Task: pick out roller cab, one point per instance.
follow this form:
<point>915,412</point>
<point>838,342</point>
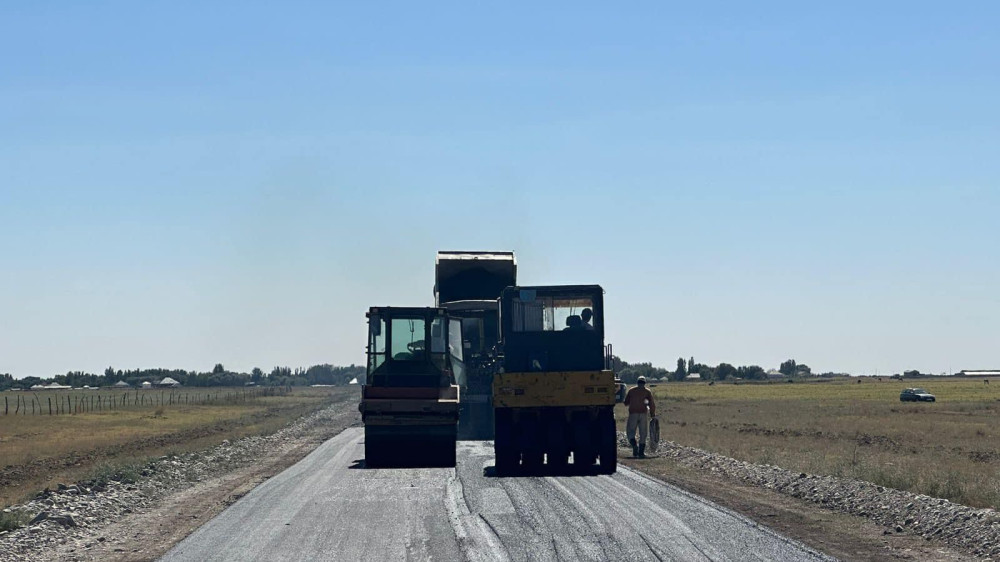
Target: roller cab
<point>554,400</point>
<point>410,402</point>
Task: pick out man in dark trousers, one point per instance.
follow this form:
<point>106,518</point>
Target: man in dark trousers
<point>639,402</point>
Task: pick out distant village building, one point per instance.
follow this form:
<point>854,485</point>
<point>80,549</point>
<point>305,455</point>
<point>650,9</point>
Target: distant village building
<point>775,374</point>
<point>121,384</point>
<point>168,382</point>
<point>979,373</point>
<point>51,386</point>
<point>146,384</point>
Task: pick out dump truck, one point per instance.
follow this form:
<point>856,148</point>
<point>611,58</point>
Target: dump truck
<point>410,399</point>
<point>555,397</point>
<point>468,285</point>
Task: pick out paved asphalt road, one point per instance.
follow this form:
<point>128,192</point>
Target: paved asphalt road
<point>329,507</point>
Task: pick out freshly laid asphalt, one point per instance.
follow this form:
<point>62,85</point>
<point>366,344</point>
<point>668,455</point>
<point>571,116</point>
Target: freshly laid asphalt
<point>330,507</point>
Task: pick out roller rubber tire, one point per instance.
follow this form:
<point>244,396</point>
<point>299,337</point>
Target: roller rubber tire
<point>583,446</point>
<point>608,442</point>
<point>556,447</point>
<point>506,455</point>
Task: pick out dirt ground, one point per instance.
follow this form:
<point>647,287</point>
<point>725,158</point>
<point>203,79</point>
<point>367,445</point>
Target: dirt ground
<point>149,534</point>
<point>851,428</point>
<point>42,451</point>
<point>845,537</point>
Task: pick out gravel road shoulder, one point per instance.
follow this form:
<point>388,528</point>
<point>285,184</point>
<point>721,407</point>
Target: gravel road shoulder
<point>176,494</point>
<point>844,518</point>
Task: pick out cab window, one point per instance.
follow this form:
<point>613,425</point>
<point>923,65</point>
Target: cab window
<point>550,314</point>
<point>408,338</point>
<point>376,342</point>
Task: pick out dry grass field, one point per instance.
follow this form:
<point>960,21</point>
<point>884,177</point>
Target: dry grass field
<point>948,449</point>
<point>41,450</point>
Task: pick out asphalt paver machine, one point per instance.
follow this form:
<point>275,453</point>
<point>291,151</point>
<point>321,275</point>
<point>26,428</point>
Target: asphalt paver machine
<point>468,285</point>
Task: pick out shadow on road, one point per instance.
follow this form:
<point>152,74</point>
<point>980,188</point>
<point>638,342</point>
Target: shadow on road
<point>362,464</point>
<point>520,472</point>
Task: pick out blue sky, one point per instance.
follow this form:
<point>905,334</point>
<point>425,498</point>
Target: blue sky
<point>183,184</point>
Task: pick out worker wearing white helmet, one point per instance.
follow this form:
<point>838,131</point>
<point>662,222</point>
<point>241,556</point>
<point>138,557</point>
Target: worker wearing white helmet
<point>639,402</point>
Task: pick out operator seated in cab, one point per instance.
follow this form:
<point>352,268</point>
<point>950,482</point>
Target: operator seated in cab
<point>581,321</point>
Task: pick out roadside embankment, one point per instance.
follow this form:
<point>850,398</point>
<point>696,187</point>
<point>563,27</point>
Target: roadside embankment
<point>137,512</point>
<point>976,531</point>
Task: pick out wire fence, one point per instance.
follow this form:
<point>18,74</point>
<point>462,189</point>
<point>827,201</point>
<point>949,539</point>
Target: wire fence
<point>69,402</point>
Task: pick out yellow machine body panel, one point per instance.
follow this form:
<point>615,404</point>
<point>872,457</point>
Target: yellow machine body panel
<point>556,388</point>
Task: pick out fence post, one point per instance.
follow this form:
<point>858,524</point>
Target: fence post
<point>50,405</point>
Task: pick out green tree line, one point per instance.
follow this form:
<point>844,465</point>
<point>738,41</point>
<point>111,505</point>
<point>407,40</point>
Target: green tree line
<point>630,372</point>
<point>218,376</point>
